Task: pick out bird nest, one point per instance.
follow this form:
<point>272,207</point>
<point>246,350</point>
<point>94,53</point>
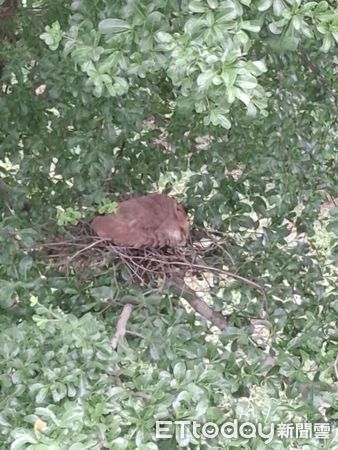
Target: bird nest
<point>79,251</point>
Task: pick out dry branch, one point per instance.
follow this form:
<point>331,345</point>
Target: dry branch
<point>121,325</point>
<point>215,317</point>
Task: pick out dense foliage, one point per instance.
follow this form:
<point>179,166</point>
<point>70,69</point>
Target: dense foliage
<point>232,106</point>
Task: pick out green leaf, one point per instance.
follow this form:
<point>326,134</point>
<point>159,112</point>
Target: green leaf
<point>252,25</point>
<point>213,4</point>
<point>48,414</point>
<point>113,26</point>
<point>24,438</point>
<point>218,118</point>
<point>204,79</point>
<point>327,42</point>
<point>7,290</point>
<point>102,293</point>
<point>334,304</point>
<point>227,14</point>
<point>260,65</point>
<point>247,83</point>
<point>41,395</point>
<point>229,76</point>
<point>163,38</point>
<point>263,5</point>
<point>179,371</point>
<point>196,6</point>
<point>76,447</point>
<point>278,7</point>
<point>243,96</point>
<point>25,264</point>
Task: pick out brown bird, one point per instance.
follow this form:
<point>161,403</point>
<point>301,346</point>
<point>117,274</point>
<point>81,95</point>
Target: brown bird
<point>153,220</point>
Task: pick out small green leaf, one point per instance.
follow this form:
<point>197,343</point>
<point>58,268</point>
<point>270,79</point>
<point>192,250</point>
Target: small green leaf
<point>179,371</point>
<point>33,300</point>
<point>247,83</point>
<point>224,122</point>
<point>263,5</point>
<point>113,26</point>
<point>163,38</point>
<point>197,6</point>
<point>229,76</point>
<point>25,264</point>
<point>260,65</point>
<point>213,4</point>
<point>327,42</point>
<point>7,293</point>
<point>205,78</point>
<point>217,117</point>
<point>253,26</point>
<point>243,96</point>
<point>278,7</point>
<point>102,293</point>
<point>24,438</point>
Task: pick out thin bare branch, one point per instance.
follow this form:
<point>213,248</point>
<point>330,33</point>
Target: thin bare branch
<point>121,325</point>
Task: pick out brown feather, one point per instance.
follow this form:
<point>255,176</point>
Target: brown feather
<point>153,220</point>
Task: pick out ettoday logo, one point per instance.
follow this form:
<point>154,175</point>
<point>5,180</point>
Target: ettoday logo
<point>247,430</point>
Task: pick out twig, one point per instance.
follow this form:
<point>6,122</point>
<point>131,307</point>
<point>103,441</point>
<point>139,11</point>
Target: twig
<point>134,333</point>
<point>206,268</point>
<point>121,325</point>
<point>93,244</point>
